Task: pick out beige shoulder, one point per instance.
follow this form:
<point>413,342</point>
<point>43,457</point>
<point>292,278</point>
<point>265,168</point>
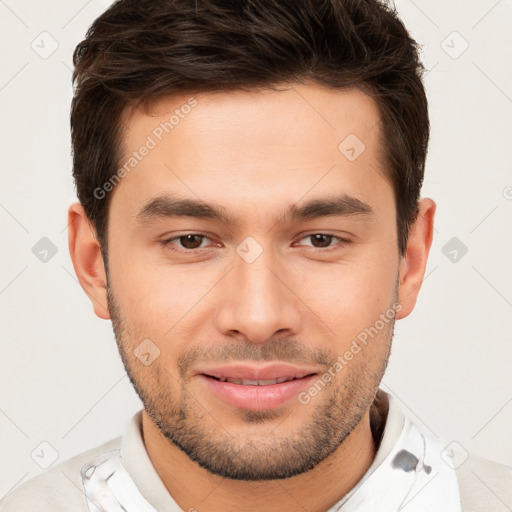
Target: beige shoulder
<point>58,489</point>
<point>485,486</point>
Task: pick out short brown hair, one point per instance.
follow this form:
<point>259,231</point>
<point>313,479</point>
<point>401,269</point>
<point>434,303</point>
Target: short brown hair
<point>139,50</point>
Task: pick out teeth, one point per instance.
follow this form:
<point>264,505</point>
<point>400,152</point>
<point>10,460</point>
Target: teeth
<point>246,382</point>
<point>266,382</point>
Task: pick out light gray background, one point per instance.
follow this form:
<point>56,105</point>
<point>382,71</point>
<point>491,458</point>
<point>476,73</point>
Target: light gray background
<point>62,381</point>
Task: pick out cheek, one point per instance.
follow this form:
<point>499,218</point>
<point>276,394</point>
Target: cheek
<point>158,301</point>
<point>349,297</point>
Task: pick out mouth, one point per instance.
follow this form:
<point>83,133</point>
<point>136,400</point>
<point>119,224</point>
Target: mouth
<point>263,382</point>
<point>257,375</point>
<point>255,389</point>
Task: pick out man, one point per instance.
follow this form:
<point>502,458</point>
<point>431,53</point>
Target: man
<point>249,179</point>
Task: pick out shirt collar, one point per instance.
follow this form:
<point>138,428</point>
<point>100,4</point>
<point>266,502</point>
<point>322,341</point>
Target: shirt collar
<point>407,473</point>
<point>138,464</point>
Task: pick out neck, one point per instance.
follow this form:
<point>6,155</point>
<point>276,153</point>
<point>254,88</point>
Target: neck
<point>193,487</point>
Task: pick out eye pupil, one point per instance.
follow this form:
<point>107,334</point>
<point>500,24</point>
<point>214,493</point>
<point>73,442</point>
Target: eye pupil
<point>324,240</point>
<point>188,241</point>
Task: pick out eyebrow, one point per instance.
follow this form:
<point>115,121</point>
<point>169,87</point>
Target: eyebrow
<point>166,206</point>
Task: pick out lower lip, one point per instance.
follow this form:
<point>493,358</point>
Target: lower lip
<point>256,398</point>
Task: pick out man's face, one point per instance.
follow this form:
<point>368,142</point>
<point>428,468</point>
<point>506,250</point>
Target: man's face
<point>257,287</point>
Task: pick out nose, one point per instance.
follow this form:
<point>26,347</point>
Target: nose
<point>257,302</point>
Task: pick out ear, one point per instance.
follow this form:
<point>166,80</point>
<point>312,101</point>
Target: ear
<point>413,264</point>
<point>84,249</point>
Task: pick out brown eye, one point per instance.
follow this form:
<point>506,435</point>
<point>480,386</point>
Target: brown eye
<point>186,244</point>
<point>191,241</point>
<point>321,240</point>
<point>324,242</point>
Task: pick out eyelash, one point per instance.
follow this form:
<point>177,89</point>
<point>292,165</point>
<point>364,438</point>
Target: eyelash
<point>167,244</point>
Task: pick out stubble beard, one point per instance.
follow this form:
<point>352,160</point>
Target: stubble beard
<point>239,455</point>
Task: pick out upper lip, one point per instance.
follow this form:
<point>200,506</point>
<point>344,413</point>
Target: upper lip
<point>268,372</point>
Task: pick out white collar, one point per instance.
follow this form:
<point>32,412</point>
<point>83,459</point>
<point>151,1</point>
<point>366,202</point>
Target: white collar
<point>407,474</point>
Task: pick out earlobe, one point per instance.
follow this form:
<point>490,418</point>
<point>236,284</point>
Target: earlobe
<point>413,264</point>
<point>85,252</point>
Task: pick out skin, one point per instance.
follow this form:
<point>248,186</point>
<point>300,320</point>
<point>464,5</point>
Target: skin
<point>255,153</point>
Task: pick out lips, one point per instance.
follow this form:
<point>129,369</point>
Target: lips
<point>257,376</point>
<point>247,382</point>
<point>256,388</point>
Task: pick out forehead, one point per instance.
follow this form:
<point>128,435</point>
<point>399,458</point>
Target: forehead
<point>259,147</point>
<point>268,117</point>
